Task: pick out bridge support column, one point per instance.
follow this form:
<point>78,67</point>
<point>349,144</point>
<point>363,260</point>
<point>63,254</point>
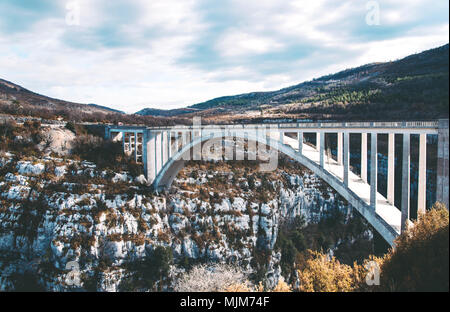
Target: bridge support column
<point>373,170</point>
<point>197,133</point>
<point>300,142</point>
<point>364,157</point>
<point>123,141</point>
<point>346,157</point>
<point>339,147</point>
<point>422,187</point>
<point>442,163</point>
<point>391,168</point>
<point>322,149</point>
<point>169,141</point>
<point>318,141</point>
<point>165,147</point>
<point>149,155</point>
<point>405,181</point>
<point>158,152</point>
<point>185,141</point>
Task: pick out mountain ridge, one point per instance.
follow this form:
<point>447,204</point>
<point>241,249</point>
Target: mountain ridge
<point>414,87</point>
<point>363,89</point>
<point>16,97</point>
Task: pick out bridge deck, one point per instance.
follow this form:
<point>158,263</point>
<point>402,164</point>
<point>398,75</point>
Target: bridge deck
<point>384,209</point>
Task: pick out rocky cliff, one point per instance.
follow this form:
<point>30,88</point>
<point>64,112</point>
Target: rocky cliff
<point>60,215</point>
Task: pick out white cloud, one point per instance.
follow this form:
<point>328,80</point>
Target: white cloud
<point>236,43</point>
<point>132,63</point>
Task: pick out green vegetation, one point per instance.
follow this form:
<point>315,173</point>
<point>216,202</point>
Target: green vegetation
<point>150,272</point>
<point>415,87</point>
<point>295,238</point>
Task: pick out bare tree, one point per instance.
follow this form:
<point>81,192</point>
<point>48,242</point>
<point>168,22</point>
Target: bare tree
<point>211,278</point>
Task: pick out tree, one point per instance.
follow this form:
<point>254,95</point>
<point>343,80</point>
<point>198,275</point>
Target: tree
<point>156,266</point>
<point>216,277</point>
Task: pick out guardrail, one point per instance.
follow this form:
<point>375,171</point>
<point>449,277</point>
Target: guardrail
<point>363,124</point>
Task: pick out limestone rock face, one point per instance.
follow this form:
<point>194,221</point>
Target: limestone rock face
<point>104,232</point>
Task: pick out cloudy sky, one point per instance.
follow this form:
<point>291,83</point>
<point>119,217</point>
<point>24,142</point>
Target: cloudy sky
<point>131,54</point>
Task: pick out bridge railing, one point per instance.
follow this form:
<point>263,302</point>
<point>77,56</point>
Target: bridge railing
<point>325,124</point>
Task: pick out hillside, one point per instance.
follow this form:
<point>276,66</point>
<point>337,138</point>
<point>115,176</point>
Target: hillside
<point>15,98</point>
<point>415,87</point>
<point>20,102</point>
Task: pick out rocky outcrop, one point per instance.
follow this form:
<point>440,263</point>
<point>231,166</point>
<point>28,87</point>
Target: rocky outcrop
<point>85,236</point>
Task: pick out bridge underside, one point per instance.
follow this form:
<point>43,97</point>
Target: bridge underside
<point>386,218</point>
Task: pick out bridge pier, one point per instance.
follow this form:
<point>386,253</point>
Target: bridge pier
<point>159,151</point>
<point>196,133</point>
<point>391,168</point>
<point>422,187</point>
<point>405,182</point>
<point>339,147</point>
<point>373,170</point>
<point>442,163</point>
<point>185,138</point>
<point>164,147</point>
<point>300,142</point>
<point>346,157</point>
<point>149,155</point>
<point>322,149</point>
<point>364,157</point>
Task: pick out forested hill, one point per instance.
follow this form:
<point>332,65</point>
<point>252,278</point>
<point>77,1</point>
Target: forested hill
<point>415,87</point>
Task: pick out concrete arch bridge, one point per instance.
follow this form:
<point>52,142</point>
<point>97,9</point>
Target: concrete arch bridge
<point>164,150</point>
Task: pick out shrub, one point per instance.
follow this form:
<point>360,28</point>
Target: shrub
<point>70,126</point>
<point>282,286</point>
<point>105,154</point>
<point>420,261</point>
<point>318,273</point>
<point>157,265</point>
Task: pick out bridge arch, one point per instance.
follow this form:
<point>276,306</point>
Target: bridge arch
<point>172,167</point>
